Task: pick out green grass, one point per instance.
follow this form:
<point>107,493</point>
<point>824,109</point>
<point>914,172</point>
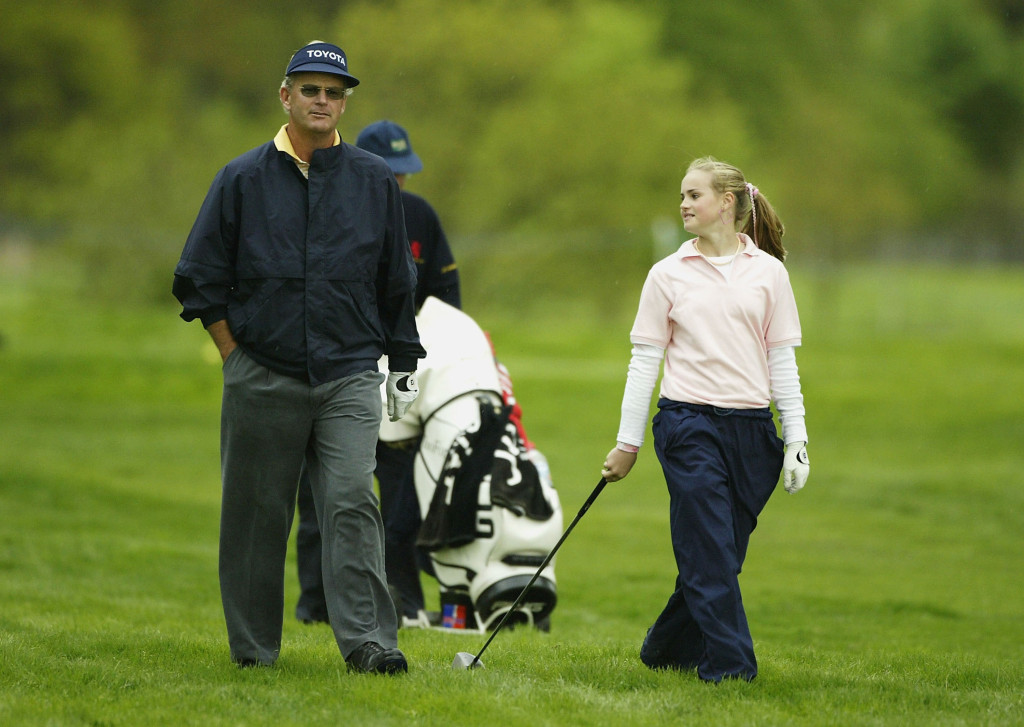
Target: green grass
<point>889,592</point>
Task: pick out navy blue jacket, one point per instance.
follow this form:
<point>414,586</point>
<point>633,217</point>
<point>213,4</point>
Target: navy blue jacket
<point>435,264</point>
<point>314,277</point>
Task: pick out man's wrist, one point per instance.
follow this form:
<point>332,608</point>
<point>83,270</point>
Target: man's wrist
<point>631,448</point>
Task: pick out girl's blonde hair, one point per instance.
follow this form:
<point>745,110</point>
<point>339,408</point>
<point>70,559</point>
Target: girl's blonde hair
<point>754,214</point>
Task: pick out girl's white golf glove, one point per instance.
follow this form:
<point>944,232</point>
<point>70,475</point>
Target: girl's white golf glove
<point>795,467</point>
<point>402,391</point>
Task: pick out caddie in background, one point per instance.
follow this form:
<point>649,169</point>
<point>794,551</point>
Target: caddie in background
<point>299,267</point>
<point>438,277</point>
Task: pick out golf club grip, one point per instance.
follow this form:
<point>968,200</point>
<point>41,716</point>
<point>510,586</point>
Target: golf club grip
<point>550,555</point>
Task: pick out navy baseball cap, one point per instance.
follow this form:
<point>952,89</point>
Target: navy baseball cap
<point>321,57</point>
<point>388,140</point>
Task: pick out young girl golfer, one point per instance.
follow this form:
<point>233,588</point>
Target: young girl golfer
<point>721,314</point>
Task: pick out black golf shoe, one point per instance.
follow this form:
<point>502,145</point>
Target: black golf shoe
<point>372,658</point>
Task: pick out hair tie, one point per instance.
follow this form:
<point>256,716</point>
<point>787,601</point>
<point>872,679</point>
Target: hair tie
<point>752,191</point>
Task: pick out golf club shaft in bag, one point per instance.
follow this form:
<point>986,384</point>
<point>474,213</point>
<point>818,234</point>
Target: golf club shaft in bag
<point>512,608</point>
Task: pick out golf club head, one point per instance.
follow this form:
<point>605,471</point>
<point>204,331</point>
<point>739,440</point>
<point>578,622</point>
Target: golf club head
<point>465,660</point>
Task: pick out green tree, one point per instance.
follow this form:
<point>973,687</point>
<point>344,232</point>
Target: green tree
<point>565,118</point>
<point>855,149</point>
<point>560,117</point>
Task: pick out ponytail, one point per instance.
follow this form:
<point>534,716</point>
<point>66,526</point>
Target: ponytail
<point>763,225</point>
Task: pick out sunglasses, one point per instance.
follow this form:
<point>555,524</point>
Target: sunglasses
<point>334,93</point>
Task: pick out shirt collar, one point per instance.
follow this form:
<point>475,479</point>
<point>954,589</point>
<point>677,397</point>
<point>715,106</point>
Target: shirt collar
<point>284,143</point>
<point>689,248</point>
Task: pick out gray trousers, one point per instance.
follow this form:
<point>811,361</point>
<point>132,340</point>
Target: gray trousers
<point>269,424</point>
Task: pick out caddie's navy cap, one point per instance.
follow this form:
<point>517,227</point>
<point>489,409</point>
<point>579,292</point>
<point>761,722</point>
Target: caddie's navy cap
<point>388,140</point>
<point>321,58</point>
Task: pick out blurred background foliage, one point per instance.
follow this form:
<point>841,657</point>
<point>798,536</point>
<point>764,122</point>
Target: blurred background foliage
<point>553,130</point>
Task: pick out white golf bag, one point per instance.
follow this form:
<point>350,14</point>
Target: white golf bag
<point>490,512</point>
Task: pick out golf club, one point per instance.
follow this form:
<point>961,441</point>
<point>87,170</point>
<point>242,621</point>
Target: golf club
<point>465,660</point>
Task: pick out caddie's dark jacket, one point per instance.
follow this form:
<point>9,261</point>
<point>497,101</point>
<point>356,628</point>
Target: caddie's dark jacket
<point>438,274</point>
<point>314,277</point>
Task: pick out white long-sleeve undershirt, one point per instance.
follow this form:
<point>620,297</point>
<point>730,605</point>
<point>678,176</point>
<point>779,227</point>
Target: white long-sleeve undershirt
<point>644,367</point>
<point>789,400</point>
<point>642,377</point>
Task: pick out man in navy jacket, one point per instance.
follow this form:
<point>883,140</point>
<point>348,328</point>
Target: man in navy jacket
<point>299,267</point>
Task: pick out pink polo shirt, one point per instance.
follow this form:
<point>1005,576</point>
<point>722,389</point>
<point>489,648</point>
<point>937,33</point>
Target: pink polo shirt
<point>716,332</point>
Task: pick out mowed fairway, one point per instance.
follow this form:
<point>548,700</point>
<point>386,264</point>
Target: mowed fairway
<point>889,592</point>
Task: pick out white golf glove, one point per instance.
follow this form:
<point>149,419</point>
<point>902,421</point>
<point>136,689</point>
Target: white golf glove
<point>402,391</point>
<point>795,467</point>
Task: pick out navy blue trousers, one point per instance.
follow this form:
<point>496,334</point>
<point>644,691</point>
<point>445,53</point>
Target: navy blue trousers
<point>721,466</point>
